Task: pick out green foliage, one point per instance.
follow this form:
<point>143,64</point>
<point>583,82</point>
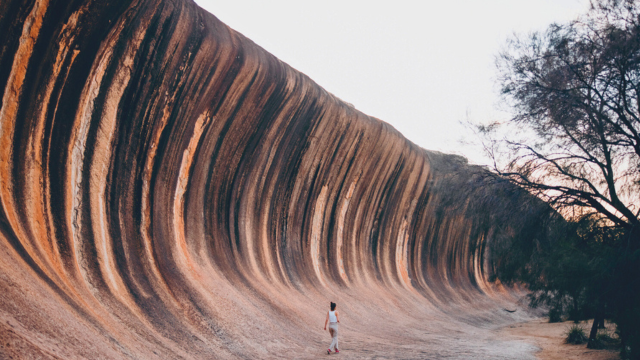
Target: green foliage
<point>566,265</point>
<point>606,340</point>
<point>555,315</point>
<point>575,335</point>
<point>627,319</point>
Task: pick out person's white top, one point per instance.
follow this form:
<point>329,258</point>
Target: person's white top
<point>332,316</point>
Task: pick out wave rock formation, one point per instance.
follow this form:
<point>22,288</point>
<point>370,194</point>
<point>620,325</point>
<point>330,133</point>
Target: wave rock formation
<point>170,190</point>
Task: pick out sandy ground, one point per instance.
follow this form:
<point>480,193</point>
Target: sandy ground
<point>549,337</point>
<point>527,340</point>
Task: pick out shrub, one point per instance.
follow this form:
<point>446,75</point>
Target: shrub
<point>555,315</point>
<point>605,340</point>
<point>575,335</point>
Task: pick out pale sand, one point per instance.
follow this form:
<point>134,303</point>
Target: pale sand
<point>549,337</point>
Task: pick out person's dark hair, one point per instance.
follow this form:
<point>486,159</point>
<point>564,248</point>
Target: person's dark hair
<point>333,306</point>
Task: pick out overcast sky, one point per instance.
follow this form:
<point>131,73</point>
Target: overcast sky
<point>422,66</point>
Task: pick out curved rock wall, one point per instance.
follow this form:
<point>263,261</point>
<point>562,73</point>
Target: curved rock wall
<point>171,190</point>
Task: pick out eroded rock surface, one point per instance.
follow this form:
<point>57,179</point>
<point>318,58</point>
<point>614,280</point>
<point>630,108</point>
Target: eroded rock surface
<point>171,190</point>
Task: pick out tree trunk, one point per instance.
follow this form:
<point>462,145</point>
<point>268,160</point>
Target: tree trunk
<point>592,335</point>
<point>600,317</point>
<point>574,314</point>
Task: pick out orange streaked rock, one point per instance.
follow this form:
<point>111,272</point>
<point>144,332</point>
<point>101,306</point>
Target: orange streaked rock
<point>169,189</point>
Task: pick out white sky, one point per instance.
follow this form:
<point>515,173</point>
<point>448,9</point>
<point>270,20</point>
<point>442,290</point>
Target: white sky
<point>422,66</point>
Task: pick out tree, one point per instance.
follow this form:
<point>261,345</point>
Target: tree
<point>574,139</point>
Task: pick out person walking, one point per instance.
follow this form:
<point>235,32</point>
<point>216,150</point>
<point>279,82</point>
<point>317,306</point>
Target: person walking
<point>333,319</point>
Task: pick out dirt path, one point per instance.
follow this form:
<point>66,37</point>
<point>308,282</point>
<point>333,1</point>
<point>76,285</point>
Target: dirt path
<point>549,337</point>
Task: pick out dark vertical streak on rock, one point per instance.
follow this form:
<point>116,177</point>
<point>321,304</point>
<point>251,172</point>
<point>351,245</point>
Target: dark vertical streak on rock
<point>12,16</point>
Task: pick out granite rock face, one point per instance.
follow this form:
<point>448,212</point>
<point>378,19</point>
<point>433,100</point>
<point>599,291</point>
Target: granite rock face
<point>169,189</point>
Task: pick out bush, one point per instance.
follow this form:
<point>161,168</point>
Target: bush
<point>575,335</point>
<point>555,315</point>
<point>629,331</point>
<point>605,340</point>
